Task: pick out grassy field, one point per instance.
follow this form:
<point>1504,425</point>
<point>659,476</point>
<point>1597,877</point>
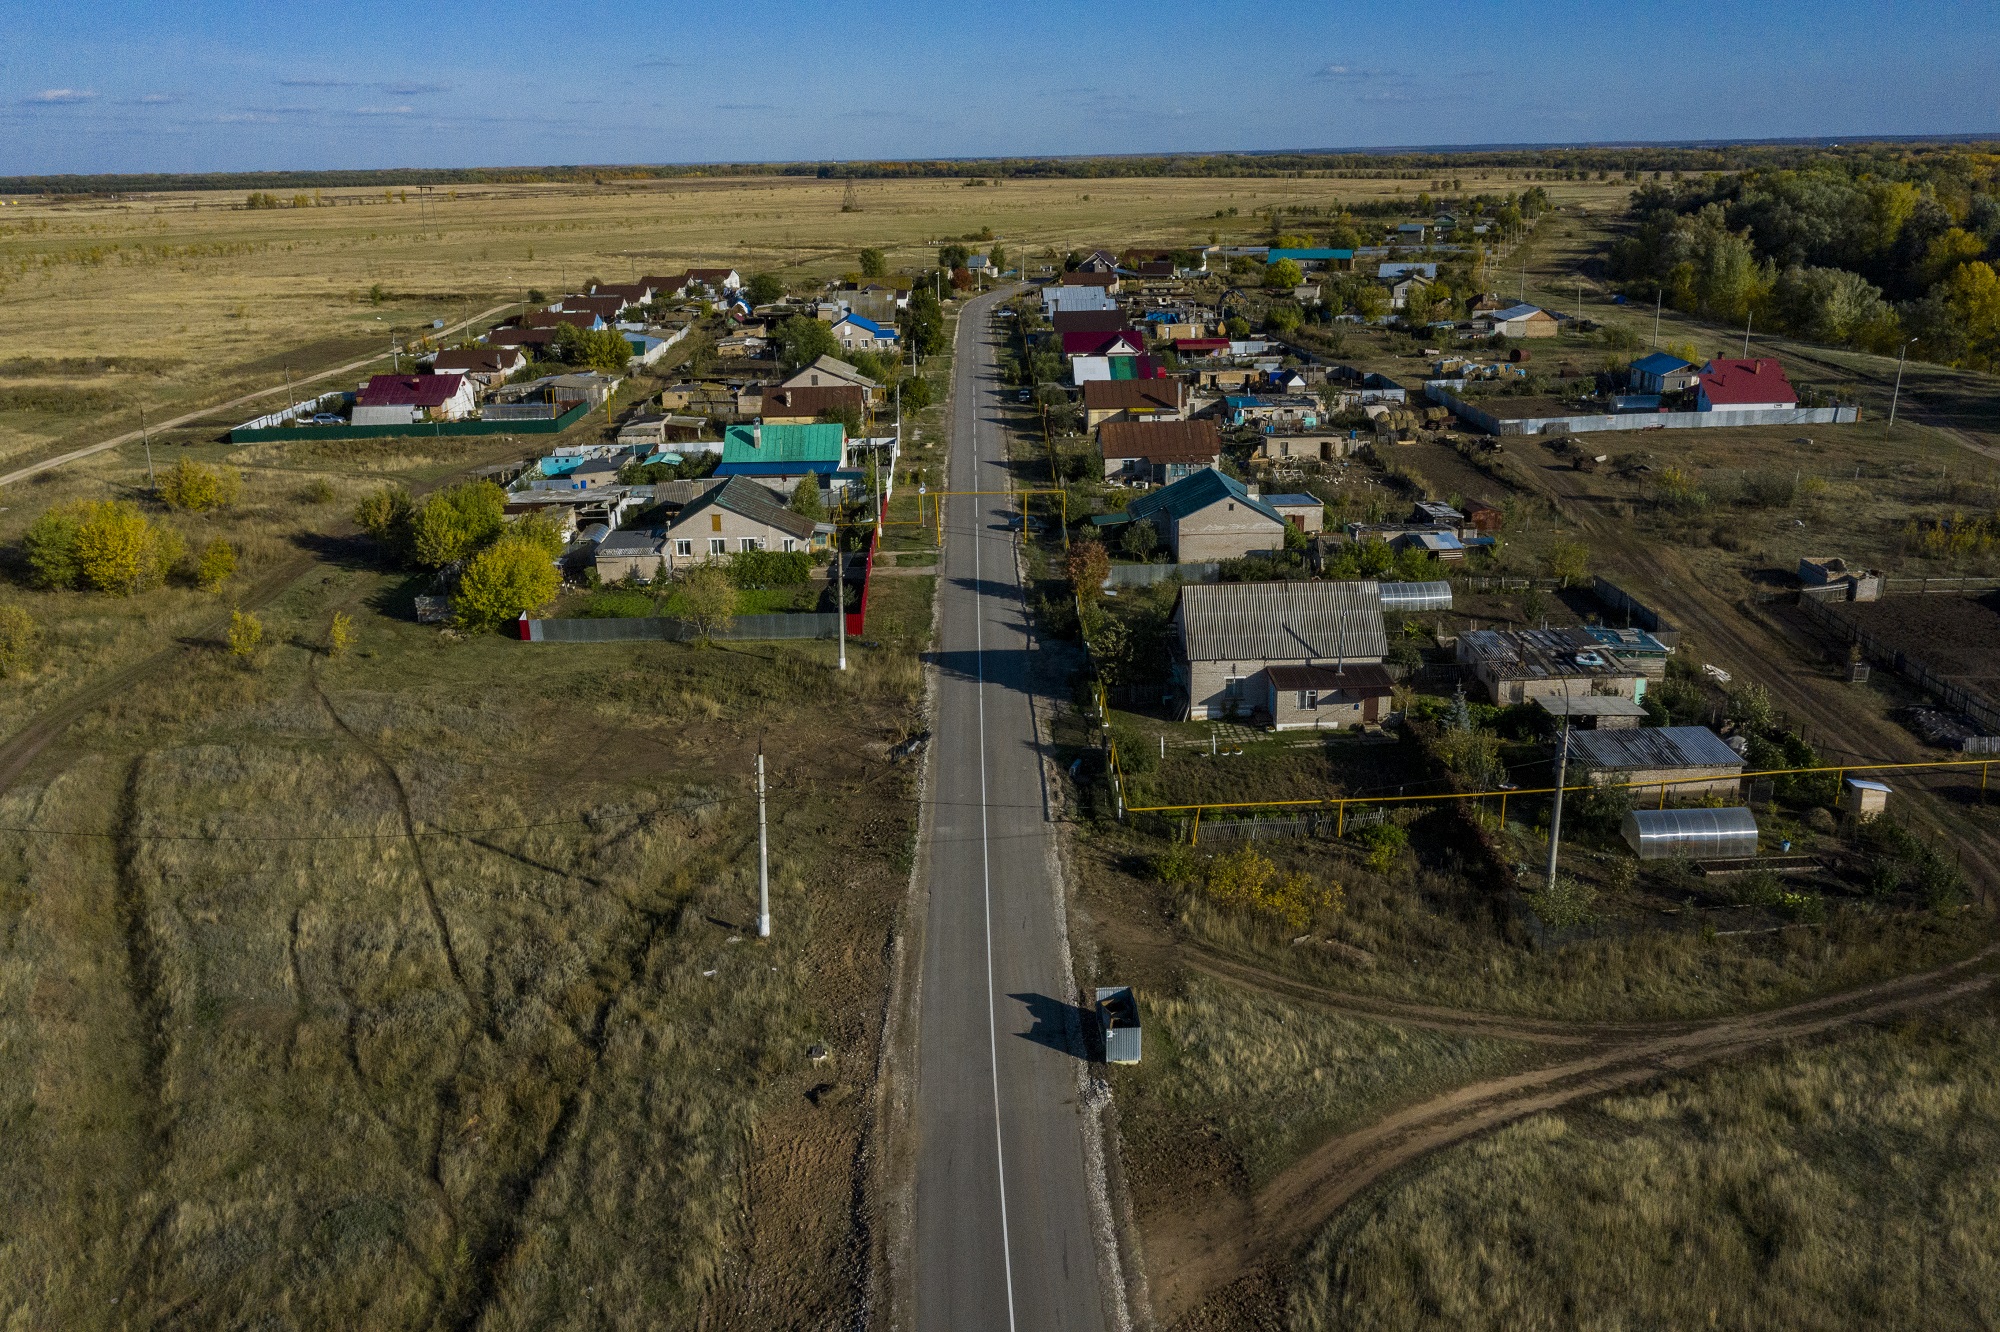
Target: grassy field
<point>1844,1185</point>
<point>166,301</point>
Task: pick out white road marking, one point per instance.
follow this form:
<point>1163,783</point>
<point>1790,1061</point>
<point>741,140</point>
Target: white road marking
<point>986,858</point>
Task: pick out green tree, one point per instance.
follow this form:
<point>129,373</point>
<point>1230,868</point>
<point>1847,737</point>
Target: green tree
<point>915,393</point>
<point>806,501</point>
<point>1569,560</point>
<point>997,256</point>
<point>1236,326</point>
<point>542,531</point>
<point>802,340</point>
<point>190,485</point>
<point>874,264</point>
<point>50,544</point>
<point>453,523</point>
<point>386,515</point>
<point>216,566</point>
<point>953,256</point>
<point>923,322</point>
<point>1283,275</point>
<point>846,415</point>
<point>1142,539</point>
<point>106,545</point>
<point>19,637</point>
<point>706,599</point>
<point>509,578</point>
<point>606,351</point>
<point>764,288</point>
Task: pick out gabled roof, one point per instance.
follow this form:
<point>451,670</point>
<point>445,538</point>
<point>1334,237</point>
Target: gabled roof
<point>1162,442</point>
<point>787,444</point>
<point>1759,379</point>
<point>1514,312</point>
<point>747,499</point>
<point>1288,622</point>
<point>812,401</point>
<point>1191,494</point>
<point>1652,747</point>
<point>1307,255</point>
<point>838,369</point>
<point>482,360</point>
<point>861,321</point>
<point>1088,321</point>
<point>409,390</point>
<point>1166,394</point>
<point>1124,342</point>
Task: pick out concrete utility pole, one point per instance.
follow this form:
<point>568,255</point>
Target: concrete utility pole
<point>1746,335</point>
<point>1656,319</point>
<point>152,481</point>
<point>1562,774</point>
<point>763,855</point>
<point>1897,395</point>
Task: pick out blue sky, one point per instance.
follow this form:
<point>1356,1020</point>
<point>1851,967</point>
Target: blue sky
<point>207,85</point>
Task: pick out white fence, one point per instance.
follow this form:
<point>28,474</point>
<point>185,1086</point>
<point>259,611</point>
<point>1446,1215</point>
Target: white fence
<point>1583,425</point>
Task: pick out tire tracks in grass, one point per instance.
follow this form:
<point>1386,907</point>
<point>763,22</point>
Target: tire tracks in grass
<point>1226,1239</point>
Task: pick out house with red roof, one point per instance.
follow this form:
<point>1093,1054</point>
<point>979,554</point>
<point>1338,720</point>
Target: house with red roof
<point>406,399</point>
<point>1124,342</point>
<point>1757,384</point>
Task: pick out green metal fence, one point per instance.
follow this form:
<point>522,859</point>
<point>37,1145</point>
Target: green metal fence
<point>436,429</point>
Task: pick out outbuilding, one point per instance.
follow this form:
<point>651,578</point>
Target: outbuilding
<point>1327,697</point>
<point>1675,761</point>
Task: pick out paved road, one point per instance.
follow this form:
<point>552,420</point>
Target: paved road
<point>1003,1221</point>
<point>339,371</point>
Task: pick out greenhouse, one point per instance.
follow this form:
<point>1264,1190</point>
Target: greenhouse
<point>1691,834</point>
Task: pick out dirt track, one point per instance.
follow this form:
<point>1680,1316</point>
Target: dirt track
<point>1196,1254</point>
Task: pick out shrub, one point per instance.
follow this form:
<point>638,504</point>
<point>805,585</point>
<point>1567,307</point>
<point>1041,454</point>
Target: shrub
<point>1568,902</point>
<point>192,486</point>
<point>769,568</point>
<point>105,545</point>
<point>216,566</point>
<point>1246,880</point>
<point>512,576</point>
<point>453,523</point>
<point>340,635</point>
<point>1383,842</point>
<point>705,598</point>
<point>246,635</point>
<point>319,490</point>
<point>385,515</point>
<point>19,636</point>
<point>1177,865</point>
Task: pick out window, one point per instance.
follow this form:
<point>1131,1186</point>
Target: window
<point>717,546</point>
<point>1232,686</point>
<point>748,544</point>
<point>790,545</point>
<point>715,522</point>
<point>1308,698</point>
<point>684,548</point>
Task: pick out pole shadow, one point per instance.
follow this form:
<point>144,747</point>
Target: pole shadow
<point>1064,1027</point>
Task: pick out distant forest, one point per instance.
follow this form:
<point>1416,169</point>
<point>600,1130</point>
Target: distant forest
<point>1547,163</point>
<point>1874,248</point>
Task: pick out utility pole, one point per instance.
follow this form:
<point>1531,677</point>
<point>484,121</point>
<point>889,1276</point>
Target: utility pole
<point>840,591</point>
<point>152,481</point>
<point>291,395</point>
<point>1562,775</point>
<point>1897,395</point>
<point>1656,319</point>
<point>1747,320</point>
<point>763,855</point>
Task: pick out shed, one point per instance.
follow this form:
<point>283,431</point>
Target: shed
<point>1693,834</point>
<point>1304,512</point>
<point>1602,712</point>
<point>1672,760</point>
<point>1118,1017</point>
<point>1322,697</point>
<point>1864,799</point>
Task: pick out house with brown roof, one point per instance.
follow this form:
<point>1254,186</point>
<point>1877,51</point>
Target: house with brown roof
<point>1158,452</point>
<point>1326,697</point>
<point>802,406</point>
<point>1163,399</point>
<point>604,307</point>
<point>587,320</point>
<point>1107,282</point>
<point>405,399</point>
<point>1090,321</point>
<point>484,366</point>
<point>828,371</point>
<point>629,293</point>
<point>716,281</point>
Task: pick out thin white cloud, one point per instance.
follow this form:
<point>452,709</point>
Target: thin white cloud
<point>385,110</point>
<point>317,83</point>
<point>1352,72</point>
<point>158,99</point>
<point>59,96</point>
<point>414,89</point>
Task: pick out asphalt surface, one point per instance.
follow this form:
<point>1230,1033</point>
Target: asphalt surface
<point>1003,1236</point>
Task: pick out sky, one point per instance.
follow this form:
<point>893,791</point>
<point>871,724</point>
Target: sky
<point>251,85</point>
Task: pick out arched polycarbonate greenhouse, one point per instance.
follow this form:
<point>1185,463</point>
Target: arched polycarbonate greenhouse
<point>1691,834</point>
<point>1401,597</point>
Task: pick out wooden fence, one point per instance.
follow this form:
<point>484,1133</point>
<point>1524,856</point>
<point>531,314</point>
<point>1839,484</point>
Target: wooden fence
<point>1919,673</point>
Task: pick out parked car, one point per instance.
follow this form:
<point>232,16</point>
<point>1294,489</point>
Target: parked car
<point>328,418</point>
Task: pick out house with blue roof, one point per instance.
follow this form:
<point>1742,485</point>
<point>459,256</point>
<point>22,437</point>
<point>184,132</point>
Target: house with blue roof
<point>860,333</point>
<point>782,452</point>
<point>1208,515</point>
<point>1662,372</point>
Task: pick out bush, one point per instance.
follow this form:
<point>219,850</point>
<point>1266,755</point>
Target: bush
<point>216,566</point>
<point>340,635</point>
<point>1177,865</point>
<point>705,598</point>
<point>1246,880</point>
<point>769,568</point>
<point>189,485</point>
<point>1569,902</point>
<point>246,635</point>
<point>19,636</point>
<point>105,545</point>
<point>509,578</point>
<point>386,516</point>
<point>1383,843</point>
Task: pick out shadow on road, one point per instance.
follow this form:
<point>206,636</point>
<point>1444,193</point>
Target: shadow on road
<point>1068,1028</point>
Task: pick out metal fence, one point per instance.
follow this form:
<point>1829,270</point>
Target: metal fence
<point>1146,575</point>
<point>1919,673</point>
<point>743,629</point>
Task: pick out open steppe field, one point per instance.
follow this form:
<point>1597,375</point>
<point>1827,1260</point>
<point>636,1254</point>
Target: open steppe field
<point>168,300</point>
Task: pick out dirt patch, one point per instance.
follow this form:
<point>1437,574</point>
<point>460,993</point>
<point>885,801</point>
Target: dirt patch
<point>1958,637</point>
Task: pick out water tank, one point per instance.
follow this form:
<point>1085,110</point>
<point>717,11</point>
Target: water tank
<point>1695,834</point>
<point>1414,596</point>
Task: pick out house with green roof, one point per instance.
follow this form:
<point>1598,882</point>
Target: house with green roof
<point>787,452</point>
<point>1206,516</point>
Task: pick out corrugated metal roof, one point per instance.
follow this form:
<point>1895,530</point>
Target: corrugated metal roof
<point>740,495</point>
<point>1652,747</point>
<point>1282,622</point>
<point>1193,493</point>
<point>783,444</point>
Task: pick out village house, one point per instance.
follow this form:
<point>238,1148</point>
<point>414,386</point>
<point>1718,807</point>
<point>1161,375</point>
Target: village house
<point>1599,712</point>
<point>1312,447</point>
<point>1158,452</point>
<point>1326,697</point>
<point>1401,290</point>
<point>1661,372</point>
<point>406,399</point>
<point>1206,515</point>
<point>1758,384</point>
<point>1113,320</point>
<point>1517,321</point>
<point>859,333</point>
<point>1105,282</point>
<point>604,307</point>
<point>1518,666</point>
<point>1273,411</point>
<point>1161,399</point>
<point>484,366</point>
<point>1057,298</point>
<point>588,321</point>
<point>802,406</point>
<point>781,454</point>
<point>519,335</point>
<point>739,515</point>
<point>829,371</point>
<point>1674,762</point>
<point>1228,636</point>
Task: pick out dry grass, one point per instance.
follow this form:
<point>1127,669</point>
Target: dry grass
<point>1848,1185</point>
<point>364,993</point>
<point>1266,1079</point>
